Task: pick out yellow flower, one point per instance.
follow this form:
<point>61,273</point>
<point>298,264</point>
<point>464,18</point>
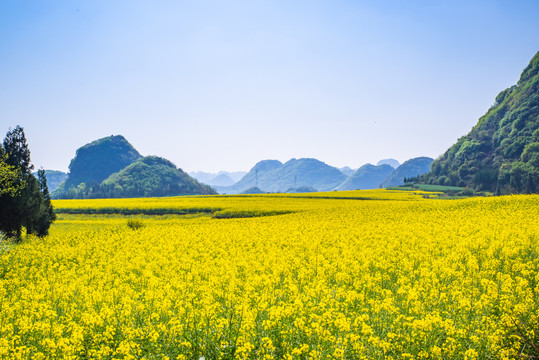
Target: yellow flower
<point>319,276</point>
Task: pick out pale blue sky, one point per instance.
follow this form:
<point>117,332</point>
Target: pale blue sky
<point>220,85</point>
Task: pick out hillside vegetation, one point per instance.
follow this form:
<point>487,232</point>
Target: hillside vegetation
<point>501,153</point>
<point>96,161</point>
<point>152,176</point>
<point>133,175</point>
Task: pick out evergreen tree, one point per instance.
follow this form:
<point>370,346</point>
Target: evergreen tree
<point>9,176</point>
<point>29,205</point>
<point>46,214</point>
<point>16,148</point>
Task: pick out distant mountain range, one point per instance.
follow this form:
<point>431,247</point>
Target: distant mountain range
<point>391,162</point>
<point>222,178</point>
<point>307,175</point>
<point>250,180</point>
<point>366,177</point>
<point>111,167</point>
<point>347,170</point>
<point>274,176</point>
<point>409,169</point>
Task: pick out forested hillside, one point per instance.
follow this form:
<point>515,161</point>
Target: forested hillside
<point>501,153</point>
<point>111,167</point>
<point>94,162</point>
<point>151,176</point>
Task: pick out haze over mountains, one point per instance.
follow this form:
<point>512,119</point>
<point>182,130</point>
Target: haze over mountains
<point>222,178</point>
<point>391,162</point>
<point>111,167</point>
<point>500,154</point>
<point>366,177</point>
<point>347,170</point>
<point>306,175</point>
<point>54,178</point>
<point>274,176</point>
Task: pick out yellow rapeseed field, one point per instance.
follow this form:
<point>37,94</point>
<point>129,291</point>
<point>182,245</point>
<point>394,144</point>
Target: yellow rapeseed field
<point>340,275</point>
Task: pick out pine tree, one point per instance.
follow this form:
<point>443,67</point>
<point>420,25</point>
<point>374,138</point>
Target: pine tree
<point>46,214</point>
<point>9,176</point>
<point>16,148</point>
<point>30,205</point>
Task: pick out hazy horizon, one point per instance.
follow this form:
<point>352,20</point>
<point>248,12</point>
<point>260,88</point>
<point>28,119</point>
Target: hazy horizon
<point>218,87</point>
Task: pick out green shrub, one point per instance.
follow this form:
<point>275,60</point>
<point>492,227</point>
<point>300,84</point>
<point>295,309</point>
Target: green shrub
<point>135,224</point>
<point>467,192</point>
